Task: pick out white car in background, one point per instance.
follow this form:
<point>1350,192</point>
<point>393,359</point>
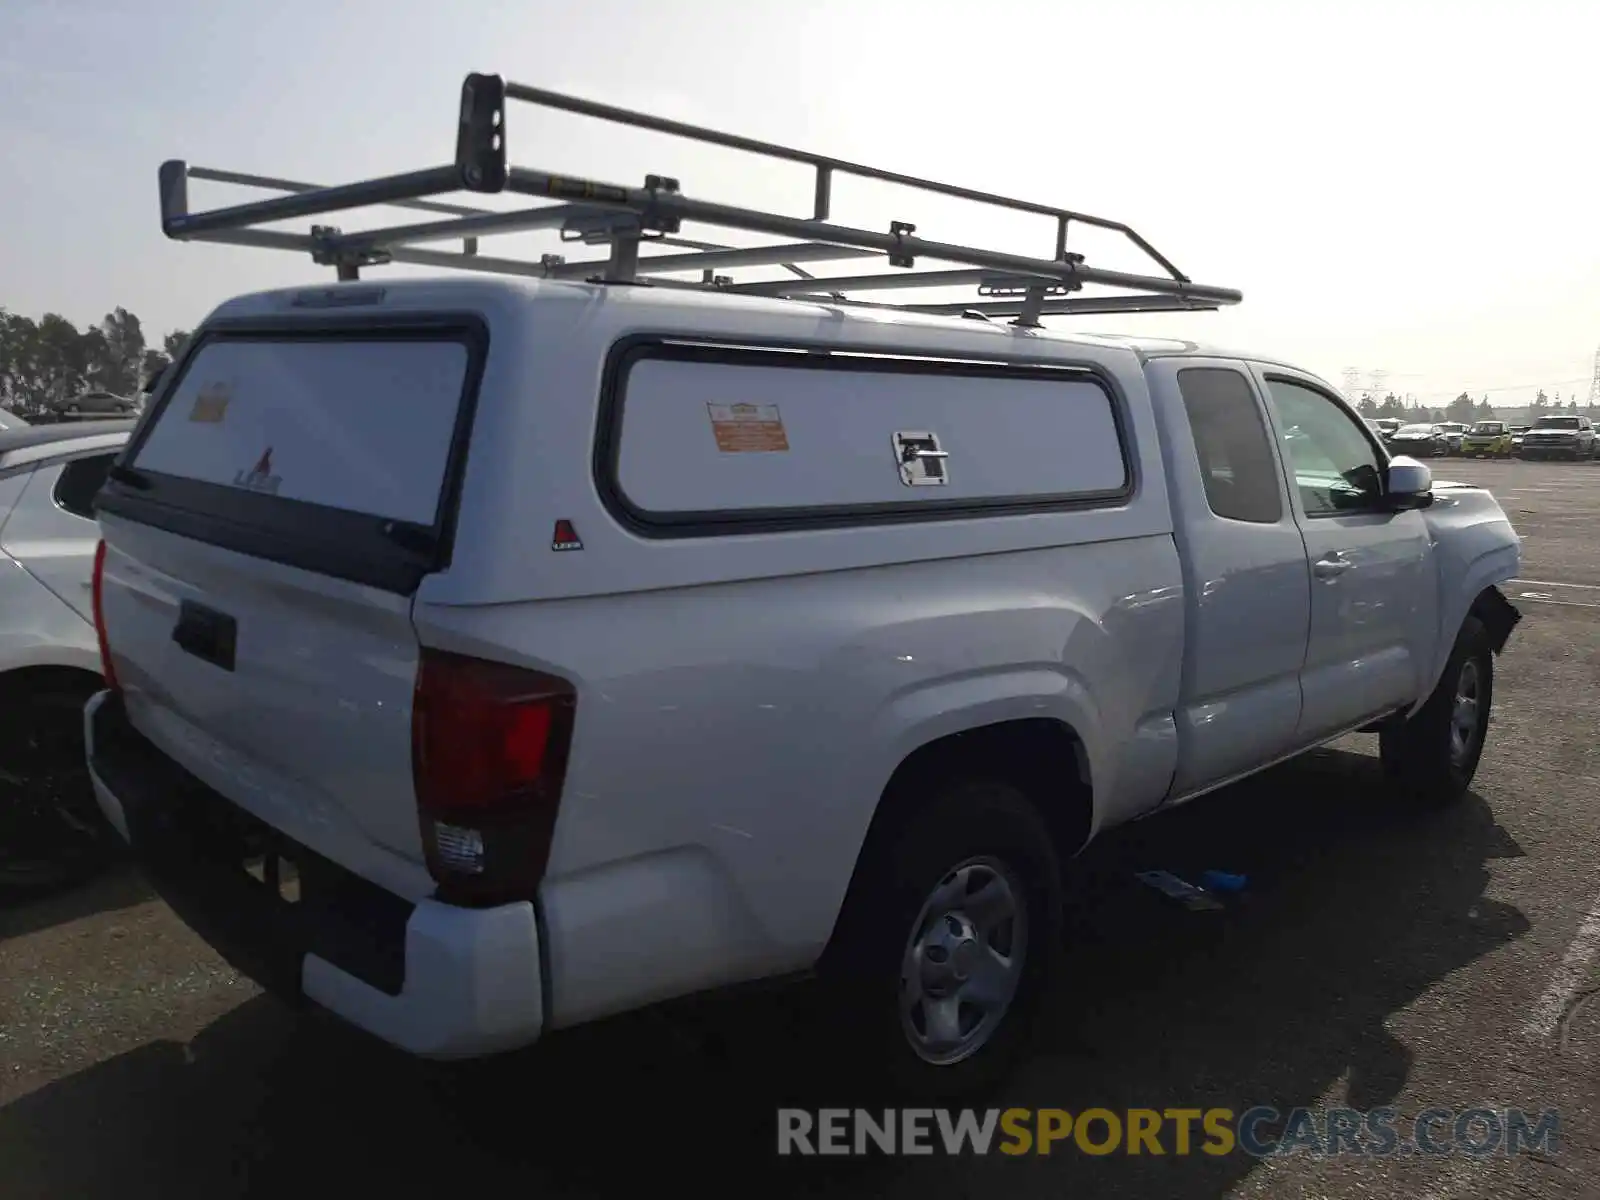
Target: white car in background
<point>50,828</point>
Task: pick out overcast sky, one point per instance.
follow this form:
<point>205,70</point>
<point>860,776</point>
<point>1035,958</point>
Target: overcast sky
<point>1396,186</point>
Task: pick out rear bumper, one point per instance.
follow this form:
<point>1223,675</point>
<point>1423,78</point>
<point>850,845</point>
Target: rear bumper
<point>436,980</point>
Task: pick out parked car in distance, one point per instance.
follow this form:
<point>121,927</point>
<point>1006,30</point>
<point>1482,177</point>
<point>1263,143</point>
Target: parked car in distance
<point>1454,431</point>
<point>1487,439</point>
<point>1516,438</point>
<point>50,826</point>
<point>94,403</point>
<point>1387,426</point>
<point>705,708</point>
<point>1424,441</point>
<point>1570,437</point>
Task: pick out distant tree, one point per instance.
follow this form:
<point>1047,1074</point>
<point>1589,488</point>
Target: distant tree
<point>1367,407</point>
<point>1461,409</point>
<point>63,356</point>
<point>51,359</point>
<point>172,345</point>
<point>121,353</point>
<point>1391,407</point>
<point>153,363</point>
<point>1572,405</point>
<point>1540,402</point>
<point>1481,411</point>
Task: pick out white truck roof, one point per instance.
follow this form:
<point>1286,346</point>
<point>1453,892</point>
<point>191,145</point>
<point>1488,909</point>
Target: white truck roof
<point>646,304</point>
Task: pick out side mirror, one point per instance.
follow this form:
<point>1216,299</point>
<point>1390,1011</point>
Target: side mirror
<point>1408,484</point>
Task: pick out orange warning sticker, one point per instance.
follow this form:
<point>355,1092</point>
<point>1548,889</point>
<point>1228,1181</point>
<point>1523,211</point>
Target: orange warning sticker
<point>211,404</point>
<point>748,428</point>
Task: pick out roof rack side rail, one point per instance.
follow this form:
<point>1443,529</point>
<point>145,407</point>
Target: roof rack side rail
<point>624,218</point>
<point>826,166</point>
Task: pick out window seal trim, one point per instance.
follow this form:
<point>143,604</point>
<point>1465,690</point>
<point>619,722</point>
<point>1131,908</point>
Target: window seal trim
<point>1277,375</point>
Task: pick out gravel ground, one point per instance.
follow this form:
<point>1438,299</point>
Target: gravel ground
<point>1381,958</point>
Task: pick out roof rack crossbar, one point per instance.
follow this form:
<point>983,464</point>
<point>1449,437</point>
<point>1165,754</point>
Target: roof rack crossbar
<point>239,178</point>
<point>543,217</point>
<point>1068,306</point>
<point>893,280</point>
<point>411,185</point>
<point>272,239</point>
<point>756,256</point>
<point>625,219</point>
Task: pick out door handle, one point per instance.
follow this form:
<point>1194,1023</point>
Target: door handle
<point>207,634</point>
<point>1331,567</point>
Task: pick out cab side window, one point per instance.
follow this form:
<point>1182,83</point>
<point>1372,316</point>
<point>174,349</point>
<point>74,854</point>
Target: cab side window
<point>1336,467</point>
<point>1237,464</point>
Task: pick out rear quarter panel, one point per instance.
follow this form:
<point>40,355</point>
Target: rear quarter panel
<point>741,734</point>
<point>37,628</point>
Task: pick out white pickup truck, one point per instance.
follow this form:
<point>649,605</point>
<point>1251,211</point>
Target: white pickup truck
<point>583,645</point>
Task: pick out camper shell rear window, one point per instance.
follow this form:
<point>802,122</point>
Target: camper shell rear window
<point>334,447</point>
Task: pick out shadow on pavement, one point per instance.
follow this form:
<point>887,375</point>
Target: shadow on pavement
<point>1356,907</point>
<point>25,911</point>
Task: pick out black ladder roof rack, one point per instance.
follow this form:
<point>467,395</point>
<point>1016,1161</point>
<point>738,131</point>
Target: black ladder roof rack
<point>623,218</point>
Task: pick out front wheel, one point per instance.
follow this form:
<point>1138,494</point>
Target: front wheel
<point>948,943</point>
<point>1433,757</point>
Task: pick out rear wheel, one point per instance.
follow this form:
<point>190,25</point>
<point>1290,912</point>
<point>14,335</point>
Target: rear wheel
<point>948,943</point>
<point>51,829</point>
<point>1434,756</point>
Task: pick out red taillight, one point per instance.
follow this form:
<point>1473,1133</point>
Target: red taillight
<point>106,668</point>
<point>488,755</point>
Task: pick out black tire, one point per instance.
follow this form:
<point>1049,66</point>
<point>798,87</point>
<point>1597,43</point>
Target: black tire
<point>901,869</point>
<point>52,832</point>
<point>1422,756</point>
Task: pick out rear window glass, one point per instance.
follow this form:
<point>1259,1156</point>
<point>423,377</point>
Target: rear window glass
<point>1237,465</point>
<point>359,425</point>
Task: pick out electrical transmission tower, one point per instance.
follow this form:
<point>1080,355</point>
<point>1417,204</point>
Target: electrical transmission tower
<point>1594,388</point>
<point>1375,380</point>
<point>1352,379</point>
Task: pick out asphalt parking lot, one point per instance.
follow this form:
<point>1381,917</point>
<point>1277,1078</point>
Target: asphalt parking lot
<point>1381,957</point>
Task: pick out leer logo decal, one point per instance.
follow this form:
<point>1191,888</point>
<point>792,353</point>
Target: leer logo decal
<point>260,477</point>
<point>565,537</point>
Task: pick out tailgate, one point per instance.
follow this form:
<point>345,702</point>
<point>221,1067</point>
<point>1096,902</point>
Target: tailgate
<point>265,532</point>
